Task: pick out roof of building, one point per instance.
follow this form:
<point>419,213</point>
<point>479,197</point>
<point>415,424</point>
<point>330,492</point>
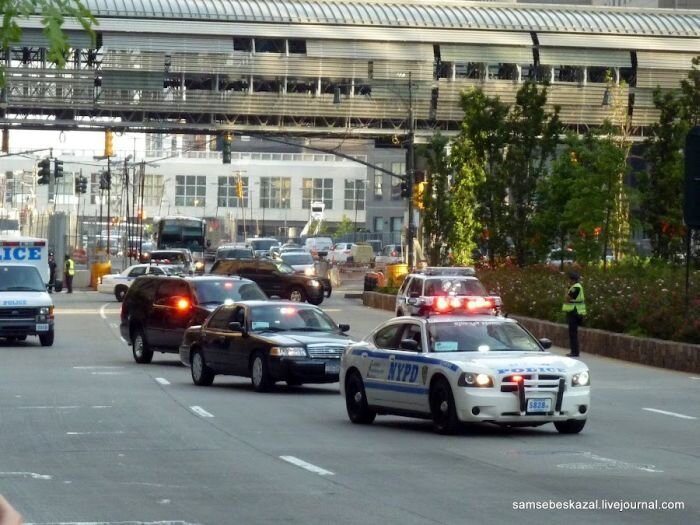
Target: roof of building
<point>436,14</point>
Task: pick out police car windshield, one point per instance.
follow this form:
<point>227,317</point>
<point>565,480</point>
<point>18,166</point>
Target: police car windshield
<point>453,286</point>
<point>290,318</point>
<point>227,290</point>
<point>20,279</point>
<point>480,336</point>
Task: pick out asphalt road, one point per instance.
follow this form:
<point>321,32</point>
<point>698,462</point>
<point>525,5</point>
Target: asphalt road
<point>88,436</point>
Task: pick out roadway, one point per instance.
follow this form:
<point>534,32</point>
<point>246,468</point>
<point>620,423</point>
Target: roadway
<point>88,436</point>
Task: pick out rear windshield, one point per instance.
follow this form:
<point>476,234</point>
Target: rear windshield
<point>172,257</point>
<point>452,286</point>
<point>227,290</point>
<point>297,258</point>
<point>234,253</point>
<point>263,244</point>
<point>20,279</point>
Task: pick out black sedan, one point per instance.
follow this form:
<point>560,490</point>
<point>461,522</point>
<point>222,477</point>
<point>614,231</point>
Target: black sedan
<point>268,341</point>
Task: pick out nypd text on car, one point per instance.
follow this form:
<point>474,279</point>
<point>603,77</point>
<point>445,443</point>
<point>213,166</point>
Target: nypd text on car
<point>456,368</point>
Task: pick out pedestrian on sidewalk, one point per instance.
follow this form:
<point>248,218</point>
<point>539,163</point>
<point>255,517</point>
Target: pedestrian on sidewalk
<point>68,273</point>
<point>575,308</point>
<point>52,272</point>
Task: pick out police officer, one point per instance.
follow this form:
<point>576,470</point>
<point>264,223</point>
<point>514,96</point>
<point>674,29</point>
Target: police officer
<point>52,272</point>
<point>69,272</point>
<point>575,308</point>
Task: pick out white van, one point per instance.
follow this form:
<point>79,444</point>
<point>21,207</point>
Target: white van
<point>318,244</point>
<point>26,250</point>
<point>25,306</point>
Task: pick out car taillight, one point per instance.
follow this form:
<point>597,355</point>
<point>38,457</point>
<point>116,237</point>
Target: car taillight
<point>183,304</point>
<point>479,303</point>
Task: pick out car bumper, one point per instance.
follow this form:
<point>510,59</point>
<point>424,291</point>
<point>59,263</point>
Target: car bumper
<point>23,327</point>
<point>305,370</point>
<point>485,405</point>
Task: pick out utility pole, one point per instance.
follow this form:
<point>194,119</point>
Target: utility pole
<point>109,212</point>
<point>142,181</point>
<point>410,162</point>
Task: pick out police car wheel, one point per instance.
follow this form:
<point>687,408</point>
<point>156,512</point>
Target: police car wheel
<point>259,374</point>
<point>202,375</point>
<point>442,408</point>
<point>356,401</point>
<point>570,426</point>
<point>120,292</point>
<point>139,347</point>
<point>46,339</point>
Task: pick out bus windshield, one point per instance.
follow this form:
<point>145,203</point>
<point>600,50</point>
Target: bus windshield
<point>182,233</point>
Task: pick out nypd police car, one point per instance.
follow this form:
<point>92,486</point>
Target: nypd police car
<point>456,368</point>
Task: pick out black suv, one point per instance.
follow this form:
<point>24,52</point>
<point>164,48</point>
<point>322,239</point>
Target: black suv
<point>276,278</point>
<point>157,309</point>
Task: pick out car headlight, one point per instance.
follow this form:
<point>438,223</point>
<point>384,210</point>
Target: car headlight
<point>309,271</point>
<point>46,310</point>
<point>314,282</point>
<point>287,351</point>
<point>199,265</point>
<point>581,379</point>
<point>472,379</point>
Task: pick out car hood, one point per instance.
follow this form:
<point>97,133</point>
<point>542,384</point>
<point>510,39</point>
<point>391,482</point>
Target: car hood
<point>24,299</point>
<point>301,267</point>
<point>506,363</point>
<point>306,338</point>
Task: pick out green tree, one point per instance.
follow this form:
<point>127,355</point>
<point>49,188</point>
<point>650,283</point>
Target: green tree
<point>469,175</point>
<point>690,90</point>
<point>53,15</point>
<point>661,185</point>
<point>437,217</point>
<point>345,226</point>
<point>533,136</point>
<point>482,139</point>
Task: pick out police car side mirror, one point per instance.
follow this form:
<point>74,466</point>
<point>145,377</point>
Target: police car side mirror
<point>408,344</point>
<point>546,343</point>
<point>343,327</point>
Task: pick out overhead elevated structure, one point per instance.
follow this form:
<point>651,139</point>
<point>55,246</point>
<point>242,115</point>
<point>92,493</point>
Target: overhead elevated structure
<point>275,67</point>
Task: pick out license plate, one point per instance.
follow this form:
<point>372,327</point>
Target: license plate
<point>42,328</point>
<point>332,368</point>
<point>539,405</point>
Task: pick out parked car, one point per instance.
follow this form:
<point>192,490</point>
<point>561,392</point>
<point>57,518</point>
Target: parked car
<point>180,257</point>
<point>118,284</point>
<point>267,341</point>
<point>317,245</point>
<point>276,278</point>
<point>341,252</point>
<point>262,245</point>
<point>391,254</point>
<point>157,309</point>
<point>301,261</point>
<point>234,251</point>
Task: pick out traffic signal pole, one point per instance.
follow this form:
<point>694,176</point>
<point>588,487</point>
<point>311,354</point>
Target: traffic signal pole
<point>109,200</point>
<point>410,174</point>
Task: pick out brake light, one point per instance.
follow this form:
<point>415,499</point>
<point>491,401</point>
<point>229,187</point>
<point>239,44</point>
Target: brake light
<point>442,304</point>
<point>479,303</point>
<point>183,304</point>
<point>517,379</point>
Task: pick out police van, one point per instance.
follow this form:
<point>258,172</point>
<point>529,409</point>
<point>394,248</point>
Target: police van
<point>25,306</point>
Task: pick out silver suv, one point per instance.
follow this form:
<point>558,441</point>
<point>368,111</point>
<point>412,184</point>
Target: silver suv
<point>436,290</point>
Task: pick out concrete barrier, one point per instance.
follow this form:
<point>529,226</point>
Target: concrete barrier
<point>643,350</point>
<point>81,279</point>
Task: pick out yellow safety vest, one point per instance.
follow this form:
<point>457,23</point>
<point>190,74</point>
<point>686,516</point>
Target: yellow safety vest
<point>70,267</point>
<point>577,305</point>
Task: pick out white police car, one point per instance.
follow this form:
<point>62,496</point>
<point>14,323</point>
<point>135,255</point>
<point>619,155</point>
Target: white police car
<point>452,369</point>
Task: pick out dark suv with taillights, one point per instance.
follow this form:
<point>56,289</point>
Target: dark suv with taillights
<point>268,341</point>
<point>157,309</point>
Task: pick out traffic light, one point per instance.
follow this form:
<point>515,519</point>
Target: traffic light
<point>239,188</point>
<point>82,184</point>
<point>105,180</point>
<point>58,169</point>
<point>109,151</point>
<point>5,140</point>
<point>76,185</point>
<point>44,171</point>
<point>226,147</point>
<point>404,190</point>
<point>419,176</point>
<point>418,195</point>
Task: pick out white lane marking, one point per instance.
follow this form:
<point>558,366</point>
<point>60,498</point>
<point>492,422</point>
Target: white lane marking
<point>306,466</point>
<point>200,411</point>
<point>94,433</point>
<point>332,310</point>
<point>667,413</point>
<point>114,325</point>
<point>61,407</point>
<point>600,462</point>
<point>696,378</point>
<point>162,381</point>
<point>95,367</point>
<point>30,475</point>
<point>168,522</point>
<point>125,341</point>
<point>103,314</point>
<point>107,373</point>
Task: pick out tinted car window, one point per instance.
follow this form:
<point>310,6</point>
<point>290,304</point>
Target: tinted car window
<point>143,289</point>
<point>220,319</point>
<point>139,270</point>
<point>386,337</point>
<point>290,317</point>
<point>171,288</point>
<point>234,253</point>
<point>220,291</point>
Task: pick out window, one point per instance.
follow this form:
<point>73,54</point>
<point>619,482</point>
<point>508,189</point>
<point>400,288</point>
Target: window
<point>354,194</point>
<point>297,47</point>
<point>95,188</point>
<point>416,286</point>
<point>154,142</point>
<point>219,319</point>
<point>139,270</point>
<point>396,224</point>
<point>386,337</point>
<point>502,72</point>
<point>313,190</point>
<point>400,169</point>
<point>275,192</point>
<point>153,188</point>
<point>194,143</point>
<point>169,289</point>
<point>470,70</point>
<point>227,196</point>
<point>269,45</point>
<point>413,332</point>
<point>568,74</point>
<point>301,85</point>
<point>379,224</point>
<point>243,44</point>
<point>378,184</point>
<point>600,75</point>
<point>190,190</point>
<point>444,70</point>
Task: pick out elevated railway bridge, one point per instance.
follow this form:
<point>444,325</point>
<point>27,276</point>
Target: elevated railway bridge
<point>340,67</point>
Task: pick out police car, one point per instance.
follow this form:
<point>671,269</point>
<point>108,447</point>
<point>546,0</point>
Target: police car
<point>457,368</point>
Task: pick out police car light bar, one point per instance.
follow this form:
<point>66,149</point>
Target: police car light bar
<point>447,270</point>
